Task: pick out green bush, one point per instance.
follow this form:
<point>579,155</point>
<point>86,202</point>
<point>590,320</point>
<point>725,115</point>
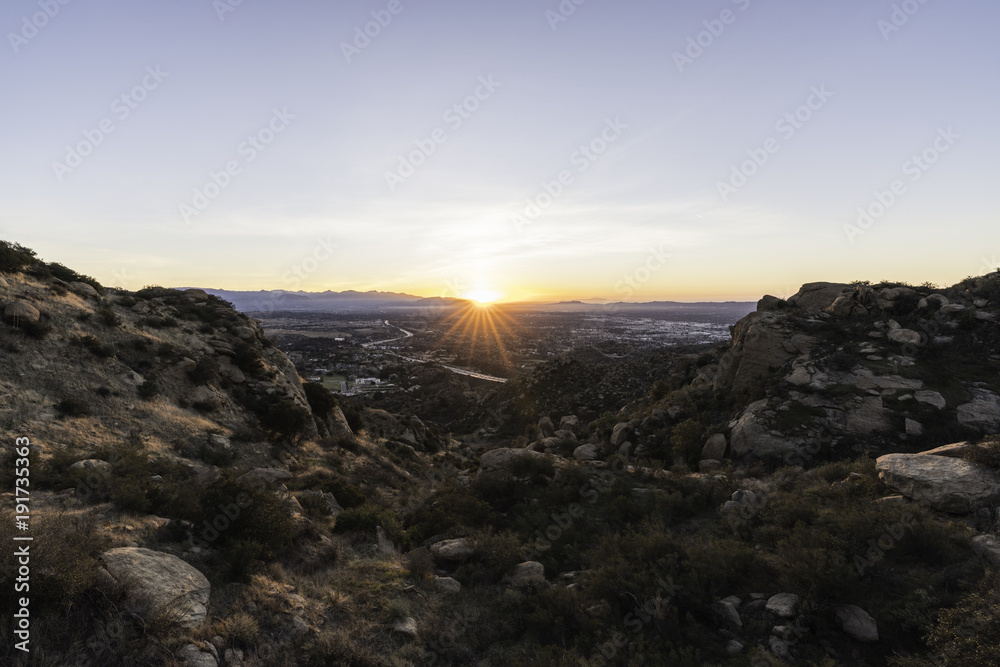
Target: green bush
<point>285,420</point>
<point>15,257</point>
<point>74,406</point>
<point>686,440</point>
<point>321,400</point>
<point>366,517</point>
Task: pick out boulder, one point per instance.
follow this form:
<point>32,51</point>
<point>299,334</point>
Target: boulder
<point>856,623</point>
<point>946,484</point>
<point>749,437</point>
<point>244,333</point>
<point>758,348</point>
<point>932,398</point>
<point>383,543</point>
<point>83,289</point>
<point>453,550</point>
<point>982,412</point>
<point>570,423</point>
<point>727,616</point>
<point>841,306</point>
<point>92,464</point>
<point>447,585</point>
<point>405,626</point>
<point>192,656</point>
<point>620,433</point>
<point>527,574</point>
<point>783,605</point>
<point>21,311</point>
<point>503,464</point>
<point>715,447</point>
<point>988,547</point>
<point>547,427</point>
<point>168,584</point>
<point>955,450</point>
<point>585,453</point>
<point>815,297</point>
<point>904,336</point>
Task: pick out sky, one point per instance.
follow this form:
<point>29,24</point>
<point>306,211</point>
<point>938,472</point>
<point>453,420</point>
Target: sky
<point>628,150</point>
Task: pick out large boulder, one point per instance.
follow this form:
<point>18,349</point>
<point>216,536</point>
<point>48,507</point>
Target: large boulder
<point>945,483</point>
<point>166,583</point>
<point>715,448</point>
<point>21,311</point>
<point>783,605</point>
<point>83,289</point>
<point>527,574</point>
<point>856,623</point>
<point>750,437</point>
<point>982,412</point>
<point>757,350</point>
<point>815,297</point>
<point>453,550</point>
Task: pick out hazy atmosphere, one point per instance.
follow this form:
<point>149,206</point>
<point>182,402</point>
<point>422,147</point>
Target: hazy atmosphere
<point>523,150</point>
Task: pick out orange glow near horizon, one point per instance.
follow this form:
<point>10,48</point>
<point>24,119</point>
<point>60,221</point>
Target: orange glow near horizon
<point>482,325</point>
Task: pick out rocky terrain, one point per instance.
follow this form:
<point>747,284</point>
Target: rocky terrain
<point>820,490</point>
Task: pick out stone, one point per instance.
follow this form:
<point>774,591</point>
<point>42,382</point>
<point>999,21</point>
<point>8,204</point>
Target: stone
<point>547,427</point>
<point>92,464</point>
<point>932,398</point>
<point>192,656</point>
<point>500,465</point>
<point>706,466</point>
<point>800,377</point>
<point>244,333</point>
<point>988,547</point>
<point>841,306</point>
<point>783,605</point>
<point>757,349</point>
<point>620,433</point>
<point>569,423</point>
<point>904,336</point>
<point>186,365</point>
<point>585,453</point>
<point>815,297</point>
<point>914,428</point>
<point>383,543</point>
<point>983,411</point>
<point>83,289</point>
<point>956,450</point>
<point>868,417</point>
<point>565,436</point>
<point>453,550</point>
<point>779,648</point>
<point>727,616</point>
<point>856,623</point>
<point>406,626</point>
<point>733,647</point>
<point>447,584</point>
<point>946,484</point>
<point>750,437</point>
<point>21,311</point>
<point>527,574</point>
<point>715,447</point>
<point>167,583</point>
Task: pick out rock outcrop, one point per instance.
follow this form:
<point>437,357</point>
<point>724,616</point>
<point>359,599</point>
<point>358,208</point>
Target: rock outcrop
<point>945,483</point>
<point>166,583</point>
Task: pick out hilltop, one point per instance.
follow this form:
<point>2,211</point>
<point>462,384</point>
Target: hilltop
<point>820,489</point>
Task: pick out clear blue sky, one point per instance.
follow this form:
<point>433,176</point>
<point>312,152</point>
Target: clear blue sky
<point>646,218</point>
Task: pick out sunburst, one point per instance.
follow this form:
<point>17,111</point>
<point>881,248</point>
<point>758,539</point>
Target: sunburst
<point>482,325</point>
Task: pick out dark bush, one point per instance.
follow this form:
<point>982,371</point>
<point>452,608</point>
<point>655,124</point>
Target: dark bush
<point>320,399</point>
<point>74,406</point>
<point>205,372</point>
<point>285,420</point>
<point>15,257</point>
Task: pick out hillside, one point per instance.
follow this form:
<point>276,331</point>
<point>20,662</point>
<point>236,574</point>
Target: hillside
<point>767,501</point>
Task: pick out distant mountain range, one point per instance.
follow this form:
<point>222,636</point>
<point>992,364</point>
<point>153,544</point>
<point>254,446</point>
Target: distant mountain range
<point>351,300</point>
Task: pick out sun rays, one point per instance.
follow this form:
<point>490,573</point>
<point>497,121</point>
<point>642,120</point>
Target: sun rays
<point>478,329</point>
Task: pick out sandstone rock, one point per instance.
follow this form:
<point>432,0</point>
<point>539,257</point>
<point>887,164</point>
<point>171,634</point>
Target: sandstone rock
<point>192,656</point>
<point>783,605</point>
<point>779,648</point>
<point>868,417</point>
<point>453,550</point>
<point>92,464</point>
<point>196,294</point>
<point>841,306</point>
<point>169,584</point>
<point>383,543</point>
<point>856,623</point>
<point>83,289</point>
<point>914,427</point>
<point>749,437</point>
<point>406,626</point>
<point>620,433</point>
<point>447,585</point>
<point>955,450</point>
<point>946,484</point>
<point>815,297</point>
<point>715,447</point>
<point>565,436</point>
<point>756,351</point>
<point>244,333</point>
<point>585,453</point>
<point>21,311</point>
<point>983,411</point>
<point>988,547</point>
<point>548,428</point>
<point>800,377</point>
<point>186,365</point>
<point>527,574</point>
<point>570,423</point>
<point>930,398</point>
<point>733,647</point>
<point>904,336</point>
<point>768,302</point>
<point>727,616</point>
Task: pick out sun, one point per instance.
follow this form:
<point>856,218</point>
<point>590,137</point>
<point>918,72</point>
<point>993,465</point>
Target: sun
<point>483,296</point>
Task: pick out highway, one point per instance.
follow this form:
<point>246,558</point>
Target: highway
<point>453,369</point>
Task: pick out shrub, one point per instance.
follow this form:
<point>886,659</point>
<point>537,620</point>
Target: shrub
<point>321,400</point>
<point>96,347</point>
<point>107,316</point>
<point>15,257</point>
<point>420,563</point>
<point>285,420</point>
<point>686,440</point>
<point>74,406</point>
<point>205,372</point>
<point>366,517</point>
<point>248,359</point>
<point>149,389</point>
